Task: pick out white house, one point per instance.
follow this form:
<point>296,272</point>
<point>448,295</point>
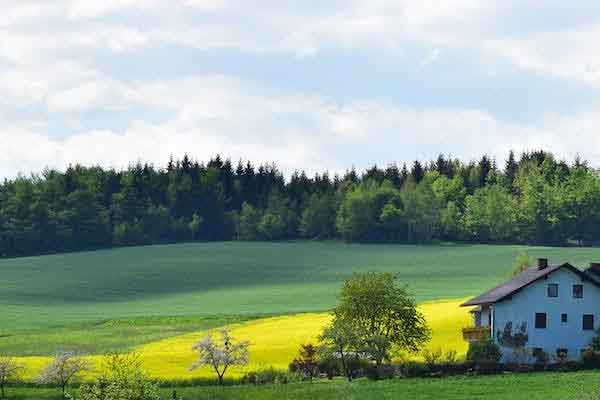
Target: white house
<point>557,307</point>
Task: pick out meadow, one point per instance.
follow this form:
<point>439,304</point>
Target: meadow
<point>157,300</point>
<point>274,343</point>
<point>539,386</point>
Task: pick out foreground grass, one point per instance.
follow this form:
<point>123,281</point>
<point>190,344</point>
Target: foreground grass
<point>540,386</point>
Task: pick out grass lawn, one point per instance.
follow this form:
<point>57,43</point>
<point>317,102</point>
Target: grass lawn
<point>120,298</point>
<point>539,386</point>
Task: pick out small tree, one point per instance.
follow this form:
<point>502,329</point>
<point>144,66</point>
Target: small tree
<point>123,379</point>
<point>515,339</point>
<point>307,361</point>
<point>220,354</point>
<point>595,342</point>
<point>381,314</point>
<point>10,372</point>
<point>342,341</point>
<point>522,262</point>
<point>484,350</point>
<point>247,223</point>
<point>432,356</point>
<point>64,367</point>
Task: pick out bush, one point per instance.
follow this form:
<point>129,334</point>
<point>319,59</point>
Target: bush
<point>568,366</point>
<point>414,369</point>
<point>269,376</point>
<point>541,360</point>
<point>519,367</point>
<point>432,357</point>
<point>380,372</point>
<point>590,358</point>
<point>486,367</point>
<point>357,366</point>
<point>483,351</point>
<point>330,366</point>
<point>450,357</point>
<point>123,380</point>
<point>447,368</point>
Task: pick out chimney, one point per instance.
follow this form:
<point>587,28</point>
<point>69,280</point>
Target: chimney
<point>542,263</point>
<point>594,268</point>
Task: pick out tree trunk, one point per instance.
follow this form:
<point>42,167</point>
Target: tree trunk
<point>2,392</point>
<point>345,367</point>
<point>220,379</point>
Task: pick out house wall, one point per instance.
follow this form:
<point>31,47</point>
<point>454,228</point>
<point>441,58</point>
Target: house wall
<point>533,299</point>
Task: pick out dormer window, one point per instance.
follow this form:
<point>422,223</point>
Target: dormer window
<point>553,290</point>
<point>578,291</point>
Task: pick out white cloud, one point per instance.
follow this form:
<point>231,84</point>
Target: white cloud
<point>571,55</point>
<point>215,114</point>
<point>562,49</point>
<point>62,59</point>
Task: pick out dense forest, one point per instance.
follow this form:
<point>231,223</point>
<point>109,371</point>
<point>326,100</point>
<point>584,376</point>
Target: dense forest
<point>533,199</point>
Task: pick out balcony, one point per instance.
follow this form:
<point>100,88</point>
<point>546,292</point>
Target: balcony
<point>475,334</point>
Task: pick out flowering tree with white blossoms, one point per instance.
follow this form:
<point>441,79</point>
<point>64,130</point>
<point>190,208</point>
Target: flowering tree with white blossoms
<point>10,372</point>
<point>220,353</point>
<point>64,367</point>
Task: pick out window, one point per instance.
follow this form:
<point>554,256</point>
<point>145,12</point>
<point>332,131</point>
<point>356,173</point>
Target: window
<point>563,318</point>
<point>540,320</point>
<point>577,291</point>
<point>553,290</point>
<point>588,322</point>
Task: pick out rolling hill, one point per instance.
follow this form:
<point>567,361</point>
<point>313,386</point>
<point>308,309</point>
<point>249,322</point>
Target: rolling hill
<point>109,299</point>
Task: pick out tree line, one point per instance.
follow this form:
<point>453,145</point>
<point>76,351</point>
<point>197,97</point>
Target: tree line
<point>533,198</point>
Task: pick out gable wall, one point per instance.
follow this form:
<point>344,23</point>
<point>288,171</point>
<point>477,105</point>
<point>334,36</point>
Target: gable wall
<point>532,299</point>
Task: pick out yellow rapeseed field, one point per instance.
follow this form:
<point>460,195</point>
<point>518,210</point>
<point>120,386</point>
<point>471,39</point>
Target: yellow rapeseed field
<point>275,342</point>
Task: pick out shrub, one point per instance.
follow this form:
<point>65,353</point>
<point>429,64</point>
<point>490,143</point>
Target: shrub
<point>487,367</point>
<point>432,357</point>
<point>567,366</point>
<point>330,366</point>
<point>306,362</point>
<point>414,369</point>
<point>450,357</point>
<point>483,351</point>
<point>590,358</point>
<point>270,375</point>
<point>249,378</point>
<point>518,367</point>
<point>357,366</point>
<point>380,372</point>
<point>541,360</point>
<point>123,380</point>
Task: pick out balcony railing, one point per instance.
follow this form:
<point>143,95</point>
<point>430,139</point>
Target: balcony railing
<point>474,334</point>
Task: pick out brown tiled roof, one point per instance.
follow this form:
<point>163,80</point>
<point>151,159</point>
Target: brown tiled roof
<point>522,280</point>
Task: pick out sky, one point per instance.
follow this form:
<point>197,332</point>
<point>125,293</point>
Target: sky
<point>313,85</point>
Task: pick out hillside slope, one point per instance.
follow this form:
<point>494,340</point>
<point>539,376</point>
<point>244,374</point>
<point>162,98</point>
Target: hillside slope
<point>238,278</point>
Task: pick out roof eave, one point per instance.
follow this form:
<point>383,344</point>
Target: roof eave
<point>474,302</point>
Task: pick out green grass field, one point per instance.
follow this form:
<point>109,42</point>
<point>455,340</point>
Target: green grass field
<point>113,299</point>
<point>540,386</point>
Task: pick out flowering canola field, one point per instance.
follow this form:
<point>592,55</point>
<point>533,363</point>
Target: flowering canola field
<point>274,342</point>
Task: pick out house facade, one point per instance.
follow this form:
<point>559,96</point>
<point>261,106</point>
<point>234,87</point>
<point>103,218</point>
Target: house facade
<point>555,309</point>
